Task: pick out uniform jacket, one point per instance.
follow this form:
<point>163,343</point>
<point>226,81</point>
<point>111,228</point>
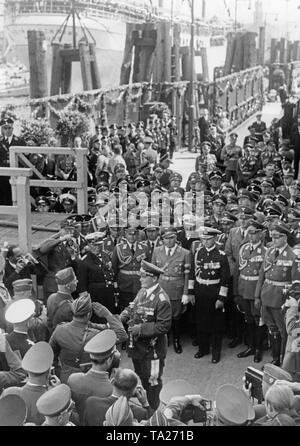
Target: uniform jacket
<point>155,315</point>
<point>249,265</point>
<point>284,269</point>
<point>59,309</point>
<point>84,385</point>
<point>30,394</point>
<point>109,245</point>
<point>291,362</point>
<point>176,268</point>
<point>127,266</point>
<point>210,265</point>
<point>151,246</point>
<point>19,342</point>
<point>95,270</point>
<point>232,247</point>
<point>4,149</point>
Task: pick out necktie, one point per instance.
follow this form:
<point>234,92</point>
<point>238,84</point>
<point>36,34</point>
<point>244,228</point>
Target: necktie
<point>132,249</point>
<point>115,242</point>
<point>276,253</point>
<point>169,252</point>
<point>251,249</point>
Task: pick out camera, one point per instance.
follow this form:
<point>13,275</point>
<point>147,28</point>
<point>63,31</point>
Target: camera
<point>28,259</point>
<point>195,413</point>
<point>255,378</point>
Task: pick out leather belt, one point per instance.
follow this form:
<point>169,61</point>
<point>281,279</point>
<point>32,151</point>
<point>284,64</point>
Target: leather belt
<point>130,273</point>
<point>208,282</point>
<point>249,278</point>
<point>275,283</point>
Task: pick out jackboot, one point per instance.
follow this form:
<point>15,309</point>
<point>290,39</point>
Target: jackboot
<point>275,338</point>
<point>216,347</point>
<point>259,336</point>
<point>250,342</point>
<point>176,337</point>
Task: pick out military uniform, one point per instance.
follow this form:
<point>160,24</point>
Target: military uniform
<point>174,280</point>
<point>95,275</point>
<point>126,265</point>
<point>250,260</point>
<point>209,281</point>
<point>152,310</point>
<point>109,245</point>
<point>278,270</point>
<point>59,309</point>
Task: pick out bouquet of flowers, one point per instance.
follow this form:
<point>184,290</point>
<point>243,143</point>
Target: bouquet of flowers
<point>72,123</point>
<point>37,132</point>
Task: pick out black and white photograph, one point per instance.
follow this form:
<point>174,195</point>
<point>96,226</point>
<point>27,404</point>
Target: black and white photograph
<point>149,215</point>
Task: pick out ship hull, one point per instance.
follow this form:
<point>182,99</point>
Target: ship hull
<point>110,39</point>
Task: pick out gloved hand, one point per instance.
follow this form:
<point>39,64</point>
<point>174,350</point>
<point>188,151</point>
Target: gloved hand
<point>219,305</point>
<point>192,299</point>
<point>135,330</point>
<point>185,299</point>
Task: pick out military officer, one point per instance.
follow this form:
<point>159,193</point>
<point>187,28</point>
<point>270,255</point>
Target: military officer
<point>251,256</point>
<point>126,261</point>
<point>279,269</point>
<point>56,406</point>
<point>149,319</point>
<point>59,305</point>
<point>95,273</point>
<point>209,281</point>
<point>219,203</point>
<point>112,238</point>
<point>153,238</point>
<point>6,141</point>
<point>69,338</point>
<point>237,236</point>
<point>175,261</point>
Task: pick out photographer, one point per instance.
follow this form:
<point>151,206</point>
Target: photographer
<point>279,403</point>
<point>16,267</point>
<point>37,363</point>
<point>125,383</point>
<point>291,361</point>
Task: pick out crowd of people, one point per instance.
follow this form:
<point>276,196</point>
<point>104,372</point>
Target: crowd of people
<point>152,261</point>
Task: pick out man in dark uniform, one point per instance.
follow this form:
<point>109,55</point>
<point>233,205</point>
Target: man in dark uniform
<point>153,238</point>
<point>19,314</point>
<point>126,261</point>
<point>279,269</point>
<point>251,256</point>
<point>6,141</point>
<point>149,321</point>
<point>209,281</point>
<point>95,273</point>
<point>219,203</point>
<point>59,305</point>
<point>259,126</point>
<point>175,261</point>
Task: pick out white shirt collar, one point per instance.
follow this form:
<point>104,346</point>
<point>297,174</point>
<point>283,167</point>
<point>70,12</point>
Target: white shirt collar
<point>149,291</point>
<point>254,246</point>
<point>172,250</point>
<point>210,249</point>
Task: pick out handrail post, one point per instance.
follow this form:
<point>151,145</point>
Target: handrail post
<point>13,162</point>
<point>82,200</point>
<point>24,213</point>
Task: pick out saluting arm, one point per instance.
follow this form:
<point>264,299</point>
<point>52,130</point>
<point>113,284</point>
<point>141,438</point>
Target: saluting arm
<point>114,321</point>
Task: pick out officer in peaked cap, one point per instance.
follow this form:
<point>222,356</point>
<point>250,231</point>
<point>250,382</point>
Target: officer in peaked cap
<point>280,270</point>
<point>175,278</point>
<point>233,407</point>
<point>13,411</point>
<point>42,204</point>
<point>56,405</point>
<point>209,283</point>
<point>219,203</point>
<point>68,202</point>
<point>102,345</point>
<point>20,311</point>
<point>22,288</point>
<point>96,273</point>
<point>38,359</point>
<point>146,347</point>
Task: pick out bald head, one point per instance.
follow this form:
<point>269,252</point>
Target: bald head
<point>125,381</point>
